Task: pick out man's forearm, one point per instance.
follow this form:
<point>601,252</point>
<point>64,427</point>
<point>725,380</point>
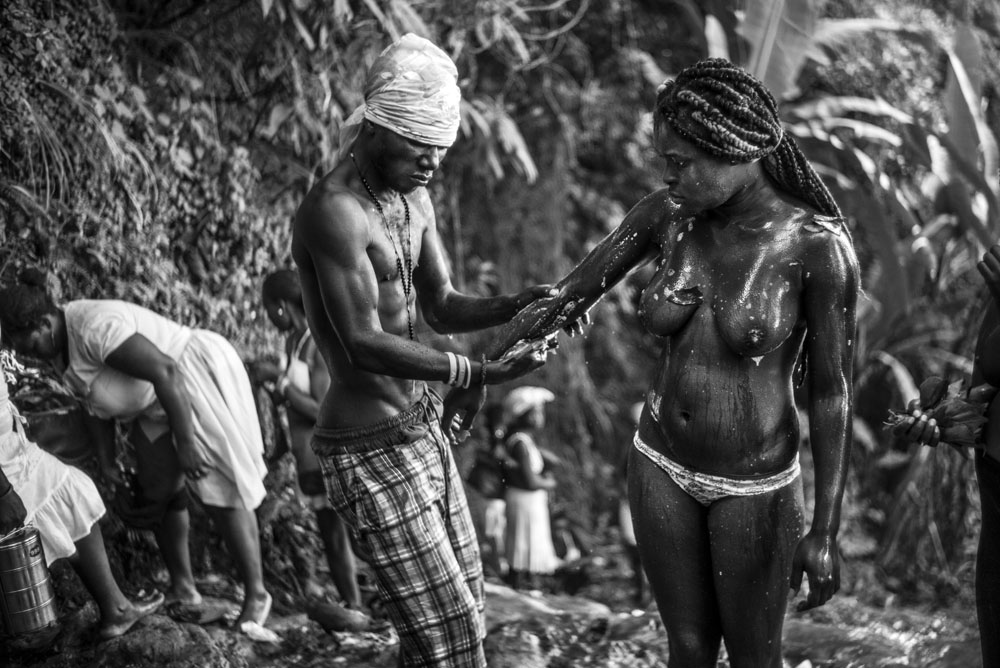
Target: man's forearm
<point>465,313</point>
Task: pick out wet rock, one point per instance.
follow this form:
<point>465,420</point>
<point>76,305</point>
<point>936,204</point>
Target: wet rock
<point>828,645</point>
<point>513,647</point>
<point>504,605</point>
<point>155,640</point>
<point>160,641</point>
<point>525,630</point>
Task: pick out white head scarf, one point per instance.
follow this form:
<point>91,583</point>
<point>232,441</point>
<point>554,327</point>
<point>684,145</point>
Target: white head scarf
<point>412,90</point>
<point>522,399</point>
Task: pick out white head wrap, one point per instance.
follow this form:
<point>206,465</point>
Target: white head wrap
<point>522,399</point>
<point>412,90</point>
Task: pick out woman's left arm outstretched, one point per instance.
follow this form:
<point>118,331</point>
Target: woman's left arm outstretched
<point>830,294</point>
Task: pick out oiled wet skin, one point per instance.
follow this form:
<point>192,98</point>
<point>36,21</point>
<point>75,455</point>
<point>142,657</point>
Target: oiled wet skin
<point>728,303</point>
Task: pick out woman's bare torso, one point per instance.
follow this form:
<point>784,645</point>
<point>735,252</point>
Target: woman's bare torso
<point>728,302</point>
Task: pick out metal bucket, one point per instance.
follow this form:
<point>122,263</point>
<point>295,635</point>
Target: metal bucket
<point>27,597</point>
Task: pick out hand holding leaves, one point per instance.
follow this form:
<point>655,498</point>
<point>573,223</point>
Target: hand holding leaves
<point>945,414</point>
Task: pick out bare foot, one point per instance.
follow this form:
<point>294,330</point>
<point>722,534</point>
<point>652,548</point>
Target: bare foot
<point>183,596</point>
<point>312,589</point>
<point>334,617</point>
<point>256,608</point>
<point>126,619</point>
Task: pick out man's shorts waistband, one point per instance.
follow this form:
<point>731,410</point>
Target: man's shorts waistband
<point>407,426</point>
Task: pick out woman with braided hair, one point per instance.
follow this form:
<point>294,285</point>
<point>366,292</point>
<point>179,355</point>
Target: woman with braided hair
<point>755,274</point>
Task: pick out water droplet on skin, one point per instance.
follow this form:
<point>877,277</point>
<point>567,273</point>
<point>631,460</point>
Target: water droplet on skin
<point>680,236</point>
<point>670,272</point>
<point>690,226</point>
<point>757,359</point>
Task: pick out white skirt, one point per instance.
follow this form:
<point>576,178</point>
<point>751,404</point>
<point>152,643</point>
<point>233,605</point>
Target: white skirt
<point>529,535</point>
<point>225,423</point>
<point>61,501</point>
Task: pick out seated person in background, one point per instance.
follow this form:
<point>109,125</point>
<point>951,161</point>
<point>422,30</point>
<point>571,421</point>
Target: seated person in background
<point>188,397</point>
<point>530,552</point>
<point>301,384</point>
<point>64,505</point>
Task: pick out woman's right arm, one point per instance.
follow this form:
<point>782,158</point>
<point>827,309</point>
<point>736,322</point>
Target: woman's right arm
<point>141,358</point>
<point>628,246</point>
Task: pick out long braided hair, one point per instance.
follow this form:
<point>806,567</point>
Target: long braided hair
<point>723,110</point>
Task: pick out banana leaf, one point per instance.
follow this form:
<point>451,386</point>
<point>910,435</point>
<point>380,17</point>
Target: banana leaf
<point>781,33</point>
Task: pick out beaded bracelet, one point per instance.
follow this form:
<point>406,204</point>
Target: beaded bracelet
<point>482,372</point>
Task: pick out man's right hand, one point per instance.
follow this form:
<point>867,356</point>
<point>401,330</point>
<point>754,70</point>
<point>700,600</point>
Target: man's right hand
<point>12,512</point>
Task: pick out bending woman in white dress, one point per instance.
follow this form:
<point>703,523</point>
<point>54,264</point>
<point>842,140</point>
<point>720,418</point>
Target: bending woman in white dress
<point>194,420</point>
<point>64,505</point>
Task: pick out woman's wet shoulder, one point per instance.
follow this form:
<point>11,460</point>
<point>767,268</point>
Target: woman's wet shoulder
<point>821,223</point>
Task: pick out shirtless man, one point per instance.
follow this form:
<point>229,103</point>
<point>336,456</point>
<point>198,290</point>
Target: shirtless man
<point>367,246</point>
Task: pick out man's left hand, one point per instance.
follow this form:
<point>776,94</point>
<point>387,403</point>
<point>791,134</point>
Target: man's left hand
<point>459,411</point>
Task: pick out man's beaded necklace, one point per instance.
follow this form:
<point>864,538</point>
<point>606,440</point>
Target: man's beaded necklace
<point>405,278</point>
